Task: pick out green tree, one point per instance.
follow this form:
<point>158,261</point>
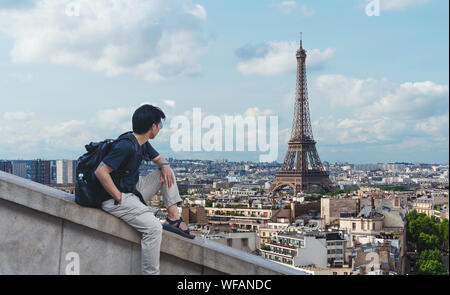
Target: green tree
<point>427,255</point>
<point>443,230</point>
<point>427,242</point>
<point>420,223</point>
<point>432,267</point>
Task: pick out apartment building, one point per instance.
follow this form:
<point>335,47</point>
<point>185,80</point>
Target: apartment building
<point>300,249</point>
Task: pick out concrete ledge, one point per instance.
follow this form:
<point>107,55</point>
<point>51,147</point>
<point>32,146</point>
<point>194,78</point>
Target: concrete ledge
<point>199,256</point>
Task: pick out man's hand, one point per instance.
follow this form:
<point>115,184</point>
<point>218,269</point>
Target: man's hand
<point>118,198</point>
<point>103,175</point>
<point>167,176</point>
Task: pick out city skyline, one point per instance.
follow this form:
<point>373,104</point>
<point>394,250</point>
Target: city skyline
<point>378,85</point>
<point>253,162</point>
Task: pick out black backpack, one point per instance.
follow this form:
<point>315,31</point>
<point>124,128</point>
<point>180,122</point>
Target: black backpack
<point>88,190</point>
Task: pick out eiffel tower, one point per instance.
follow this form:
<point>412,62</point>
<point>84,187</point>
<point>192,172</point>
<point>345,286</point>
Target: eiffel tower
<point>302,167</point>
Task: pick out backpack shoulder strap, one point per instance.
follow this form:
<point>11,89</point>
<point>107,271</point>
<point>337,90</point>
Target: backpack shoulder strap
<point>127,136</point>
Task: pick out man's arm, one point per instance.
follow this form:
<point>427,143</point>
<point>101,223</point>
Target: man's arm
<point>166,174</point>
<point>103,175</point>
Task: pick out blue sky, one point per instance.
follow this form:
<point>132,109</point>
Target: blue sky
<point>378,86</point>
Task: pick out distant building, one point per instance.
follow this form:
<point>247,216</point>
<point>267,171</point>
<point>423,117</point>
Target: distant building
<point>194,215</point>
<point>40,171</point>
<point>321,249</point>
<point>6,166</point>
<point>332,208</point>
<point>430,206</point>
<point>65,171</point>
<point>382,257</point>
<point>268,231</point>
<point>19,168</point>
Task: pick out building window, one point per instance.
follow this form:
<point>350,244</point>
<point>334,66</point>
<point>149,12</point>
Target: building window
<point>245,242</point>
<point>353,226</point>
<point>373,226</point>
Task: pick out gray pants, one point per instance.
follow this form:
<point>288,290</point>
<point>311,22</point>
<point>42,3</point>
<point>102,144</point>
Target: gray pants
<point>141,217</point>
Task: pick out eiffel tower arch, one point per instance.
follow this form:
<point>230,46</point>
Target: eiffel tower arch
<point>301,167</point>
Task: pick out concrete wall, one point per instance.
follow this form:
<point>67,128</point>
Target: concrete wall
<point>40,227</point>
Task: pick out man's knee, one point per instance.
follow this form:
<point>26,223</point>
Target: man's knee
<point>154,228</point>
<point>149,224</point>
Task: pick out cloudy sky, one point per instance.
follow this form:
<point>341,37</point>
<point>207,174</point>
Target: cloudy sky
<point>72,72</point>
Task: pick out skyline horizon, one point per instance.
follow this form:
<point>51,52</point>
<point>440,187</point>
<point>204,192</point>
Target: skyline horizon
<point>248,161</point>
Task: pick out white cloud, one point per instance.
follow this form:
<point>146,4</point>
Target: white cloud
<point>12,116</point>
<point>388,5</point>
<point>350,92</point>
<point>289,6</point>
<point>35,135</point>
<point>155,39</point>
<point>64,129</point>
<point>197,11</point>
<point>170,103</point>
<point>380,111</point>
<point>114,119</point>
<point>255,112</point>
<point>306,11</point>
<point>435,125</point>
<point>275,58</point>
<point>286,6</point>
<point>410,101</point>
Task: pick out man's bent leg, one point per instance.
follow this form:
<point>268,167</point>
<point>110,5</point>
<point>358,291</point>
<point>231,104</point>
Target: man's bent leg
<point>149,185</point>
<point>136,214</point>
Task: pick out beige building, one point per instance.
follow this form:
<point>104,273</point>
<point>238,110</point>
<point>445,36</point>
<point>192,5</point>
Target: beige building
<point>332,208</point>
<point>261,215</point>
<point>268,231</point>
<point>429,207</point>
<point>364,227</point>
<point>245,213</point>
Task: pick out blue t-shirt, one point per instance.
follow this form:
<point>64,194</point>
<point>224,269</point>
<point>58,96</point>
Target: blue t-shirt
<point>123,157</point>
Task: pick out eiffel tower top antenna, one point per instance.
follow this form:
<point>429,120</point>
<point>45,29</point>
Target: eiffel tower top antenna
<point>301,39</point>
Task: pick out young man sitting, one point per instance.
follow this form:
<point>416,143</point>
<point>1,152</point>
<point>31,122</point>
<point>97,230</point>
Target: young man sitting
<point>125,195</point>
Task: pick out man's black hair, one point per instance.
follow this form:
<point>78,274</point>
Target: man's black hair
<point>144,118</point>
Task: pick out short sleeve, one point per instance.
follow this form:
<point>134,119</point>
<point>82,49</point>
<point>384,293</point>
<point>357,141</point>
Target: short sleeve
<point>150,152</point>
<point>118,154</point>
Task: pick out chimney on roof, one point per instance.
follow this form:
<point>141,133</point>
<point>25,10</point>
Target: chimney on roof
<point>372,203</point>
<point>358,206</point>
